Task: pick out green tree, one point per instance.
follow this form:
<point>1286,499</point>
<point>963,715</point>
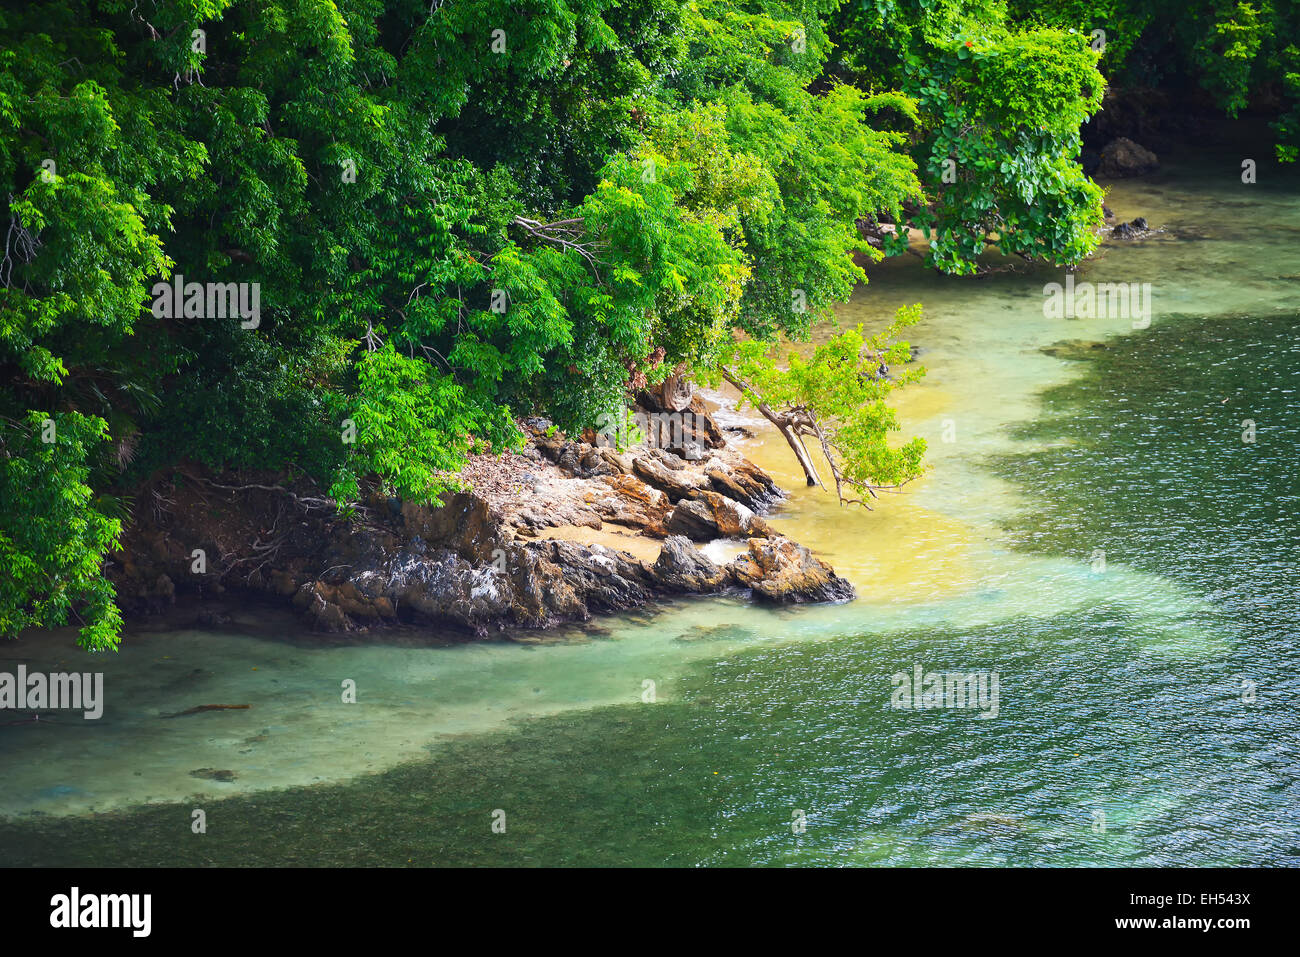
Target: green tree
<point>456,214</point>
<point>837,396</point>
<point>999,109</point>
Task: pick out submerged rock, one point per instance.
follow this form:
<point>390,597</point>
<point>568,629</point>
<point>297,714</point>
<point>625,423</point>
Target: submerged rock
<point>213,774</point>
<point>715,633</point>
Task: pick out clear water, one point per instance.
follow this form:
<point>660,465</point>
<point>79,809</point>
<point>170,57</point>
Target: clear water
<point>1121,737</point>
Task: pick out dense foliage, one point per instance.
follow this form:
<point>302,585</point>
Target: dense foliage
<point>433,218</point>
<point>999,107</point>
<point>837,397</point>
<point>1238,53</point>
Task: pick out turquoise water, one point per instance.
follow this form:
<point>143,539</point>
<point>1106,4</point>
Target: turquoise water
<point>1146,710</point>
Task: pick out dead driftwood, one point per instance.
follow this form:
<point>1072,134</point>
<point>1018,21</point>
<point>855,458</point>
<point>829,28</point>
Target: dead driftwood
<point>208,707</point>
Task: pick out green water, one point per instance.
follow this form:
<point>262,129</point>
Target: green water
<point>1121,734</point>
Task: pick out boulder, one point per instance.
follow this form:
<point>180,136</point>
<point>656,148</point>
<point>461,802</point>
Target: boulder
<point>603,578</point>
<point>1138,229</point>
<point>779,570</point>
<point>746,483</point>
<point>631,502</point>
<point>694,520</point>
<point>706,515</point>
<point>1122,157</point>
<point>680,568</point>
<point>463,522</point>
<point>677,483</point>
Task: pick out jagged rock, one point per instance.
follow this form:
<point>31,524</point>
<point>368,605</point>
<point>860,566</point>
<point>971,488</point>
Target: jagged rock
<point>630,502</point>
<point>323,615</point>
<point>707,432</point>
<point>538,593</point>
<point>746,483</point>
<point>694,520</point>
<point>465,562</point>
<point>1138,229</point>
<point>688,432</point>
<point>707,515</point>
<point>874,232</point>
<point>674,394</point>
<point>675,483</point>
<point>548,446</point>
<point>605,579</point>
<point>569,458</point>
<point>669,460</point>
<point>463,522</point>
<point>442,586</point>
<point>582,459</point>
<point>1122,157</point>
<point>618,464</point>
<point>779,570</point>
<point>681,568</point>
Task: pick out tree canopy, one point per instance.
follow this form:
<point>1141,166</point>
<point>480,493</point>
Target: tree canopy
<point>460,212</point>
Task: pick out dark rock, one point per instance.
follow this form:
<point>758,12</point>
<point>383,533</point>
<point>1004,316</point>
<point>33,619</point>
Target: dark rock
<point>213,774</point>
<point>463,522</point>
<point>1122,157</point>
<point>1138,229</point>
<point>708,433</point>
<point>605,579</point>
<point>321,613</point>
<point>715,633</point>
<point>212,618</point>
<point>568,459</point>
<point>549,446</point>
<point>680,568</point>
<point>693,520</point>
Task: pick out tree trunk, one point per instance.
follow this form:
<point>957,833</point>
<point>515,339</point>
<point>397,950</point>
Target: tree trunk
<point>800,451</point>
<point>785,425</point>
<point>675,393</point>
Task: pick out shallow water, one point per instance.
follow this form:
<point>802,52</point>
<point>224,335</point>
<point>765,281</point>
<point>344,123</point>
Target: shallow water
<point>1120,736</point>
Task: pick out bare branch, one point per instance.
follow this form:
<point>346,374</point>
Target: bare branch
<point>564,234</point>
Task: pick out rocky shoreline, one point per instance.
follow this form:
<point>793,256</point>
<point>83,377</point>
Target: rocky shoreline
<point>563,530</point>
